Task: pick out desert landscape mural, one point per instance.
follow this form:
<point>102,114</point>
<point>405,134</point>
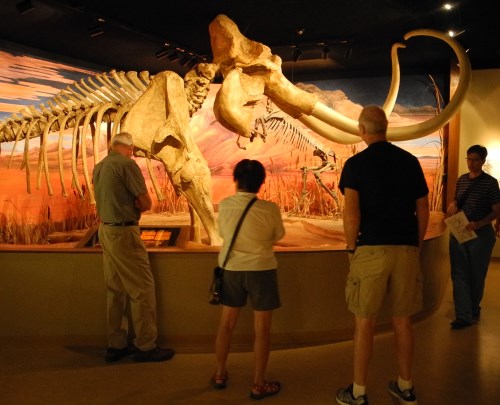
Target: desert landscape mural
<point>28,218</point>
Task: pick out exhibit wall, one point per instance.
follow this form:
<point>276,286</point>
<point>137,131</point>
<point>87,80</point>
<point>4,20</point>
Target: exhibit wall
<point>302,181</point>
<point>480,123</point>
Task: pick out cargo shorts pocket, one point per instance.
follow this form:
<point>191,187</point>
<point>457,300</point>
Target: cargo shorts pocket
<point>352,291</point>
<point>419,294</point>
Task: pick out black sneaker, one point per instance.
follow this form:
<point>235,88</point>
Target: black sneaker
<point>113,354</point>
<point>458,324</point>
<point>154,355</point>
<point>405,396</point>
<point>346,397</point>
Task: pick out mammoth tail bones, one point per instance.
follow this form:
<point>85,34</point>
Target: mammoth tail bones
<point>156,110</point>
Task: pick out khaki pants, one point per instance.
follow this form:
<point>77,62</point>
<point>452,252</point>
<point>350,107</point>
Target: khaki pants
<point>127,273</point>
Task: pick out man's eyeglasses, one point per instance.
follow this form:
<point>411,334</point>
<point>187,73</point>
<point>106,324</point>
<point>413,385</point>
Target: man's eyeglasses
<point>474,160</point>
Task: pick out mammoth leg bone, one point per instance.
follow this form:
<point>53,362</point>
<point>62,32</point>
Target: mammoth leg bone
<point>167,138</point>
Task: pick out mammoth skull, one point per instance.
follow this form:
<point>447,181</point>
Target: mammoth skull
<point>251,71</point>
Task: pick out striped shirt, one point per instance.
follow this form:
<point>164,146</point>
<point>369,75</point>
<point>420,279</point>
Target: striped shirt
<point>483,195</point>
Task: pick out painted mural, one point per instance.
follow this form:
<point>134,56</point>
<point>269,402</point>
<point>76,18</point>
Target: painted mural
<point>302,180</point>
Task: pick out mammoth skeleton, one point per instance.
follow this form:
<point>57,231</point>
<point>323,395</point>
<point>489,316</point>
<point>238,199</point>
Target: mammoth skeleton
<point>156,111</point>
<point>251,71</point>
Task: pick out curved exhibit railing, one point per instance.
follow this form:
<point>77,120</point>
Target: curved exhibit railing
<point>58,296</point>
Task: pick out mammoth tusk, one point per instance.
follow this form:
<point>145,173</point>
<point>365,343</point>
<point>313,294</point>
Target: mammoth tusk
<point>437,122</point>
<point>327,131</point>
<point>392,95</point>
<point>419,130</point>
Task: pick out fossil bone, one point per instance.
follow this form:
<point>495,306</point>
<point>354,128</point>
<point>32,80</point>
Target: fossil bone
<point>156,110</point>
<point>247,64</point>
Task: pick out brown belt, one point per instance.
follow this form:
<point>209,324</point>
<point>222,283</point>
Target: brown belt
<point>129,223</point>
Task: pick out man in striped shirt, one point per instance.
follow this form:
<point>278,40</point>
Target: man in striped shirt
<point>478,196</point>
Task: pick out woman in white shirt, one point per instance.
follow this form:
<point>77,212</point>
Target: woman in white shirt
<point>250,271</point>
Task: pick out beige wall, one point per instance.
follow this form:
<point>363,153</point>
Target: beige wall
<point>480,122</point>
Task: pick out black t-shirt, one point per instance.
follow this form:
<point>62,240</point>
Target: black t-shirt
<point>389,180</point>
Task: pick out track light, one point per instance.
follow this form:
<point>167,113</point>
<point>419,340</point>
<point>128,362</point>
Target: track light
<point>454,34</point>
<point>326,52</point>
<point>173,56</point>
<point>185,60</point>
<point>96,31</point>
<point>162,53</point>
<point>192,63</point>
<point>297,53</point>
<point>24,6</point>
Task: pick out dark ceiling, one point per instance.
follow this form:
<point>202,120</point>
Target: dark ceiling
<point>357,33</point>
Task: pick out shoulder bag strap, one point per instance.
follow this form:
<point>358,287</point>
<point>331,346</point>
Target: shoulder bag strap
<point>468,191</point>
<point>238,229</point>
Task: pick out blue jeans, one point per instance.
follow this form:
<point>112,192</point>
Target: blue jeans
<point>469,265</point>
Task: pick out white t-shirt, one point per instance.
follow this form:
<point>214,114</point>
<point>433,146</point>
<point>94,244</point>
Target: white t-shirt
<point>261,228</point>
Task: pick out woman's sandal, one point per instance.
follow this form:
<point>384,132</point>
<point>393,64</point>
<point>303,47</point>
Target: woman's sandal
<point>266,390</point>
<point>219,381</point>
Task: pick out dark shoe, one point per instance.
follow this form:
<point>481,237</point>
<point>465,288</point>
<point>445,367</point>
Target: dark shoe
<point>219,381</point>
<point>113,355</point>
<point>266,390</point>
<point>458,324</point>
<point>154,355</point>
<point>346,397</point>
<point>407,397</point>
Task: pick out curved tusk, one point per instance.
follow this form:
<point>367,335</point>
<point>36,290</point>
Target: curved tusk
<point>390,101</point>
<point>421,129</point>
<point>430,126</point>
<point>328,132</point>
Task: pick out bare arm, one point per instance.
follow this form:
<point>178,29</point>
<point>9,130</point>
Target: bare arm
<point>422,212</point>
<point>494,214</point>
<point>143,202</point>
<point>352,217</point>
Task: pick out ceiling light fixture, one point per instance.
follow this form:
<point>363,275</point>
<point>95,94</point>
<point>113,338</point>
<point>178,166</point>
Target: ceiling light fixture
<point>173,56</point>
<point>24,6</point>
<point>192,63</point>
<point>297,53</point>
<point>454,34</point>
<point>185,60</point>
<point>162,53</point>
<point>325,53</point>
<point>96,31</point>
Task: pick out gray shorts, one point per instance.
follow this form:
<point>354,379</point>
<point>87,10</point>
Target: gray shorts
<point>260,286</point>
